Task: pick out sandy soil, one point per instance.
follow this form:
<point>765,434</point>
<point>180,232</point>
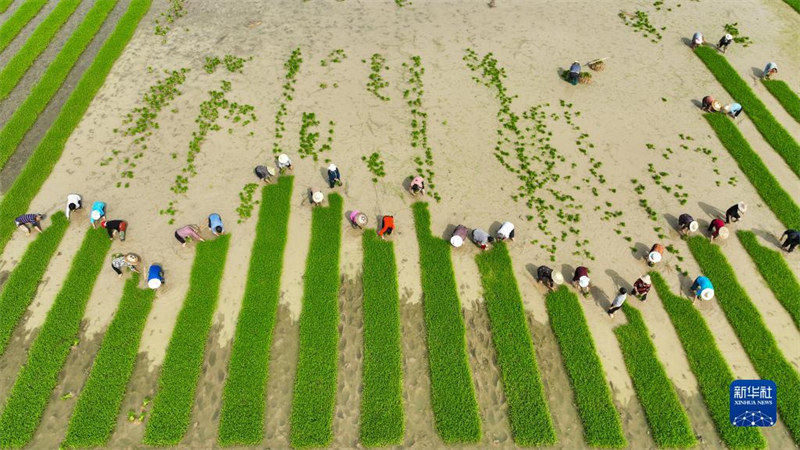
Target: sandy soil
<point>621,111</point>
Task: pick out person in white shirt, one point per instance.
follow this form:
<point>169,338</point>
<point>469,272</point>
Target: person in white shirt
<point>618,302</point>
<point>74,201</point>
<point>506,231</point>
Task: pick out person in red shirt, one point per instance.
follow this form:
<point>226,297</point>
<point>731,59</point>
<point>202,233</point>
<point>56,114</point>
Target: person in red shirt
<point>715,227</point>
<point>387,226</point>
<point>581,279</point>
<point>641,287</point>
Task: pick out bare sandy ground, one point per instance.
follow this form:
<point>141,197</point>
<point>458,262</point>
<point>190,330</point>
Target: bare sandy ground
<point>622,111</point>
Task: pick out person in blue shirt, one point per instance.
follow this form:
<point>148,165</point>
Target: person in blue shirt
<point>215,224</point>
<point>770,70</point>
<point>733,110</point>
<point>155,276</point>
<point>574,73</point>
<point>702,288</point>
<point>98,213</point>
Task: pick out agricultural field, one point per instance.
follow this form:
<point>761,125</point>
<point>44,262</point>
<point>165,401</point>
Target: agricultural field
<point>296,329</point>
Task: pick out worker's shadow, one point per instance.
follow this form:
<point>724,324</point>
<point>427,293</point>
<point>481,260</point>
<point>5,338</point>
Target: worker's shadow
<point>568,272</point>
<point>448,231</point>
<point>532,269</point>
<point>712,211</point>
<point>642,250</point>
<point>769,237</point>
<point>687,41</point>
<point>562,73</point>
<point>697,103</point>
<point>758,73</point>
<point>600,298</point>
<point>672,221</point>
<point>618,280</point>
<point>323,172</point>
<point>494,227</point>
<point>407,183</point>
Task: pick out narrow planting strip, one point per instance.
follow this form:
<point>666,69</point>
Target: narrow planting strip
<point>776,272</point>
<point>785,95</point>
<point>753,334</point>
<point>770,190</point>
<point>35,45</point>
<point>47,153</point>
<point>382,419</point>
<point>667,419</point>
<point>244,398</point>
<point>38,377</point>
<point>4,4</point>
<point>24,14</point>
<point>21,285</point>
<point>531,424</point>
<point>96,412</point>
<point>172,407</point>
<point>767,125</point>
<point>601,425</point>
<point>25,116</point>
<point>455,407</point>
<point>317,367</point>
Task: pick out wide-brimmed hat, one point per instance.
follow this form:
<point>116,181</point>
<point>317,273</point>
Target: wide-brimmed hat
<point>332,167</point>
<point>361,219</point>
<point>132,258</point>
<point>654,257</point>
<point>283,158</point>
<point>557,278</point>
<point>317,197</point>
<point>583,281</point>
<point>723,233</point>
<point>271,171</point>
<point>154,283</point>
<point>96,215</point>
<point>707,294</point>
<point>456,241</point>
<point>716,106</point>
<point>742,206</point>
<point>646,279</point>
<point>693,226</point>
<point>728,37</point>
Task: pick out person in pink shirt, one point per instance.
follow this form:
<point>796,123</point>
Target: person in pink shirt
<point>188,232</point>
<point>417,186</point>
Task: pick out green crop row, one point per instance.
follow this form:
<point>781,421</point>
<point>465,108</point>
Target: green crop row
<point>35,45</point>
<point>708,365</point>
<point>531,424</point>
<point>455,408</point>
<point>14,24</point>
<point>382,421</point>
<point>668,421</point>
<point>244,398</point>
<point>753,334</point>
<point>318,363</point>
<point>770,190</point>
<point>765,123</point>
<point>785,95</point>
<point>25,116</point>
<point>44,158</point>
<point>794,4</point>
<point>172,406</point>
<point>95,414</point>
<point>46,357</point>
<point>4,4</point>
<point>776,272</point>
<point>601,424</point>
<point>21,285</point>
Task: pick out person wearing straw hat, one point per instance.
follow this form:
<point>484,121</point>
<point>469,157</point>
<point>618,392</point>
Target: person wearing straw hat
<point>215,224</point>
<point>387,226</point>
<point>574,73</point>
<point>687,224</point>
<point>735,212</point>
<point>581,279</point>
<point>74,202</point>
<point>265,173</point>
<point>619,300</point>
<point>481,238</point>
<point>120,261</point>
<point>549,277</point>
<point>702,288</point>
<point>188,232</point>
<point>358,219</point>
<point>733,110</point>
<point>334,177</point>
<point>316,196</point>
<point>655,255</point>
<point>641,287</point>
<point>717,229</point>
<point>710,105</point>
<point>155,276</point>
<point>34,220</point>
<point>115,226</point>
<point>284,163</point>
<point>97,213</point>
<point>417,186</point>
<point>770,70</point>
<point>506,231</point>
<point>724,42</point>
<point>792,240</point>
<point>459,236</point>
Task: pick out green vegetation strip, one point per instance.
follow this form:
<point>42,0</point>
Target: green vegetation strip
<point>4,4</point>
<point>44,158</point>
<point>767,125</point>
<point>531,424</point>
<point>98,406</point>
<point>14,24</point>
<point>46,357</point>
<point>172,406</point>
<point>755,337</point>
<point>35,45</point>
<point>780,278</point>
<point>382,420</point>
<point>25,116</point>
<point>455,407</point>
<point>667,419</point>
<point>785,95</point>
<point>770,190</point>
<point>20,288</point>
<point>317,366</point>
<point>244,397</point>
<point>601,425</point>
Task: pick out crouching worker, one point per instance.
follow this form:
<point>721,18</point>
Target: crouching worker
<point>387,226</point>
<point>574,73</point>
<point>581,279</point>
<point>97,213</point>
<point>188,232</point>
<point>702,288</point>
<point>459,236</point>
<point>265,173</point>
<point>120,261</point>
<point>334,177</point>
<point>733,110</point>
<point>215,224</point>
<point>27,221</point>
<point>641,287</point>
<point>710,105</point>
<point>284,163</point>
<point>506,231</point>
<point>74,202</point>
<point>549,278</point>
<point>316,196</point>
<point>792,240</point>
<point>724,42</point>
<point>717,229</point>
<point>697,40</point>
<point>358,219</point>
<point>656,254</point>
<point>481,238</point>
<point>735,212</point>
<point>155,276</point>
<point>687,224</point>
<point>112,226</point>
<point>770,70</point>
<point>417,186</point>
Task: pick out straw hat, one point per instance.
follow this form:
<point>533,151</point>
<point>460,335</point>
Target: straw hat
<point>646,279</point>
<point>723,233</point>
<point>583,281</point>
<point>271,171</point>
<point>693,226</point>
<point>707,294</point>
<point>728,37</point>
<point>742,206</point>
<point>283,158</point>
<point>154,283</point>
<point>654,257</point>
<point>558,278</point>
<point>716,105</point>
<point>317,197</point>
<point>456,241</point>
<point>132,258</point>
<point>96,215</point>
<point>332,167</point>
<point>361,219</point>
